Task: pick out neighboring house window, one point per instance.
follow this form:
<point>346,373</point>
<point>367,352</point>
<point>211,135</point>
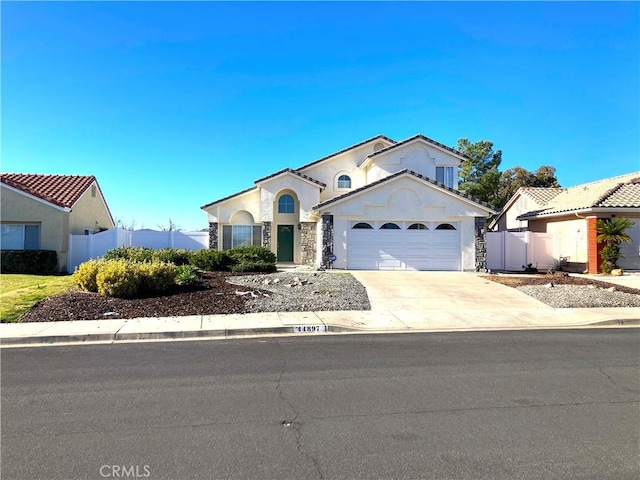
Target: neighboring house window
<point>445,226</point>
<point>20,237</point>
<point>389,226</point>
<point>241,236</point>
<point>286,204</point>
<point>417,226</point>
<point>362,225</point>
<point>445,175</point>
<point>344,181</point>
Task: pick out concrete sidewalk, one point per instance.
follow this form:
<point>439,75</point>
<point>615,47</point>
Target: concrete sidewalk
<point>400,301</point>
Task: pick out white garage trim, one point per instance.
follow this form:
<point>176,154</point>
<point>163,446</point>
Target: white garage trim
<point>421,247</point>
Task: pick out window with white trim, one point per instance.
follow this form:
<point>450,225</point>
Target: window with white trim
<point>445,175</point>
<point>286,204</point>
<point>241,236</point>
<point>20,237</point>
<point>344,181</point>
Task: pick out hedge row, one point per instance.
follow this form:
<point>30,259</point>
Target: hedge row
<point>241,259</point>
<point>28,261</point>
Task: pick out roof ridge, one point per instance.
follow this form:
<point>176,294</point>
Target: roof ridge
<point>632,176</point>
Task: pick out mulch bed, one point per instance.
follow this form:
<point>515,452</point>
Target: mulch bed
<point>213,296</point>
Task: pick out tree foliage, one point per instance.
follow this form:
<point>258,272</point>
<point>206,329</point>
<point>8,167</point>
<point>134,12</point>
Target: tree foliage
<point>514,178</point>
<point>481,177</point>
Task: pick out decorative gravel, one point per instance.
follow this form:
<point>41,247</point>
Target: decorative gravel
<point>300,291</point>
<point>580,296</point>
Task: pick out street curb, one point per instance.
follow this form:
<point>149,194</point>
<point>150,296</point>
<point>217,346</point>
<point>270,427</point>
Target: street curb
<point>110,338</point>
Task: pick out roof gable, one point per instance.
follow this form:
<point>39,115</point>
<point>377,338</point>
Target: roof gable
<point>415,138</point>
<point>370,140</point>
<point>289,171</point>
<point>60,190</point>
<point>463,195</point>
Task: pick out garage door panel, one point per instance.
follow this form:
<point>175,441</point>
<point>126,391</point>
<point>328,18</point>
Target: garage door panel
<point>370,249</point>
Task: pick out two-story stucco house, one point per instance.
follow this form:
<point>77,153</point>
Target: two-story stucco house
<point>40,211</point>
<point>377,205</point>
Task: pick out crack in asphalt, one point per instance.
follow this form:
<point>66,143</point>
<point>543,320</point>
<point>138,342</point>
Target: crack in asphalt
<point>612,380</point>
<point>297,426</point>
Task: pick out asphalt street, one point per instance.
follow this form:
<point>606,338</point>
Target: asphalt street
<point>561,404</point>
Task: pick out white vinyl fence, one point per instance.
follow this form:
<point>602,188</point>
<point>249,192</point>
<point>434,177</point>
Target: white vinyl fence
<point>86,247</point>
<point>515,250</point>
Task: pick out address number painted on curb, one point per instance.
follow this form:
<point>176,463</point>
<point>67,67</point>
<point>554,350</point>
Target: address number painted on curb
<point>310,328</point>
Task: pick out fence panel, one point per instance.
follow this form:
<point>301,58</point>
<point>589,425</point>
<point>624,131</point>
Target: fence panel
<point>513,251</point>
<point>86,247</point>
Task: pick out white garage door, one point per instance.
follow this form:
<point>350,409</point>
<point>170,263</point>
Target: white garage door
<point>403,246</point>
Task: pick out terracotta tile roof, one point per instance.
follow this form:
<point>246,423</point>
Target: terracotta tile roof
<point>541,195</point>
<point>61,190</point>
<point>403,172</point>
<point>617,192</point>
<point>294,172</point>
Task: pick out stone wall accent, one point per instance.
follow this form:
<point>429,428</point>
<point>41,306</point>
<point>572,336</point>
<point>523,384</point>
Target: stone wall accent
<point>266,234</point>
<point>481,244</point>
<point>213,236</point>
<point>327,240</point>
<point>308,243</point>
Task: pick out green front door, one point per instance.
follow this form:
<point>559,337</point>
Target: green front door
<point>285,243</point>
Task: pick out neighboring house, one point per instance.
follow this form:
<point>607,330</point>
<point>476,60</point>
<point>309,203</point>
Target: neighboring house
<point>526,199</point>
<point>571,215</point>
<point>40,211</point>
<point>377,205</point>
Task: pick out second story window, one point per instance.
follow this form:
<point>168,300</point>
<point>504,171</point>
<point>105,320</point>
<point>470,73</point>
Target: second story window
<point>344,181</point>
<point>445,175</point>
<point>286,204</point>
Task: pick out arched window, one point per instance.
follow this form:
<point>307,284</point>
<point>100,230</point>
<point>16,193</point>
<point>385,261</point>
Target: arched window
<point>389,226</point>
<point>362,225</point>
<point>445,226</point>
<point>344,181</point>
<point>418,226</point>
<point>286,204</point>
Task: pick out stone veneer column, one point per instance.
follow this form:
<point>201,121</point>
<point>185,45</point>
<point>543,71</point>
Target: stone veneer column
<point>327,239</point>
<point>307,243</point>
<point>266,234</point>
<point>213,236</point>
<point>481,244</point>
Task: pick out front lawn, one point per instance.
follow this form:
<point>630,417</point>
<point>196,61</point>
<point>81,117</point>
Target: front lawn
<point>18,292</point>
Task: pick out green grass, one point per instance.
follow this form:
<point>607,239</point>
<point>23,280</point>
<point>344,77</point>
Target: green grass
<point>18,292</point>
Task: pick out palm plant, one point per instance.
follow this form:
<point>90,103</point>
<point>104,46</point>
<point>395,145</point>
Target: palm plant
<point>612,232</point>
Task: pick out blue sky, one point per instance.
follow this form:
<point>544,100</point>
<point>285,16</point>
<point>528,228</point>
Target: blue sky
<point>172,105</point>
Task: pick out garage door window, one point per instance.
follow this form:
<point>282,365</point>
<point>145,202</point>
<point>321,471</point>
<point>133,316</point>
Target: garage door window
<point>418,226</point>
<point>362,225</point>
<point>445,226</point>
<point>390,226</point>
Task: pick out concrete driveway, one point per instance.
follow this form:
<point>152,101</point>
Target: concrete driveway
<point>419,291</point>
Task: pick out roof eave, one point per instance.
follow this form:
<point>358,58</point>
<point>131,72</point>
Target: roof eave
<point>36,198</point>
<point>579,211</point>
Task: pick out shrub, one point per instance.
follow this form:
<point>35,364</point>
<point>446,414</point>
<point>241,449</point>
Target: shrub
<point>135,254</point>
<point>254,266</point>
<point>211,260</point>
<point>251,254</point>
<point>188,275</point>
<point>171,255</point>
<point>85,275</point>
<point>28,261</point>
<point>155,276</point>
<point>118,278</point>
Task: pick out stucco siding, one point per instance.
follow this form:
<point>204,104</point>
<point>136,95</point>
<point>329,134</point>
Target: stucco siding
<point>222,212</point>
<point>89,213</point>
